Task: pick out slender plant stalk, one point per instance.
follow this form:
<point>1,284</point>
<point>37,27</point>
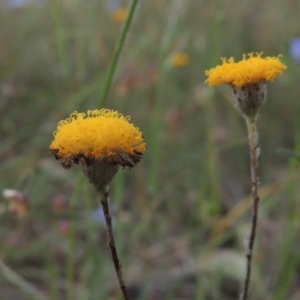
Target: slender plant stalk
<point>155,142</point>
<point>21,283</point>
<point>71,246</point>
<point>111,242</point>
<point>117,53</point>
<point>61,38</point>
<point>254,151</point>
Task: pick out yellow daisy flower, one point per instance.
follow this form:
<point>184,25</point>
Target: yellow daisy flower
<point>180,59</point>
<point>120,15</point>
<point>98,135</point>
<point>251,69</point>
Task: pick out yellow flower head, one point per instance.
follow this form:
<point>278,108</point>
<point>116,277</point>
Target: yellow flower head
<point>97,135</point>
<point>120,15</point>
<point>180,59</point>
<point>251,69</point>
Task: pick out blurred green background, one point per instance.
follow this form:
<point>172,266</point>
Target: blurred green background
<point>182,214</point>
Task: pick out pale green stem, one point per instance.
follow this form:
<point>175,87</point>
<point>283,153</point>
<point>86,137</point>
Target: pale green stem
<point>117,54</point>
<point>155,142</point>
<point>61,38</point>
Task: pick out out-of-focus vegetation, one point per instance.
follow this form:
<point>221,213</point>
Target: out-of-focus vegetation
<point>182,214</point>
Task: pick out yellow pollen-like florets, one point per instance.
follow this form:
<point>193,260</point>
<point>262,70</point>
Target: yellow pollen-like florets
<point>96,135</point>
<point>251,69</point>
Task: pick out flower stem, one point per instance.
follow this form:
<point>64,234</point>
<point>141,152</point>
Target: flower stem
<point>254,152</point>
<point>111,241</point>
<point>117,53</point>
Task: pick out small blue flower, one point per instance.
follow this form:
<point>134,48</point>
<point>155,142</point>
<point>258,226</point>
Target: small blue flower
<point>16,4</point>
<point>113,5</point>
<point>98,215</point>
<point>295,49</point>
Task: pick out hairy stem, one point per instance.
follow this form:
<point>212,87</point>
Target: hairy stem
<point>111,242</point>
<point>254,152</point>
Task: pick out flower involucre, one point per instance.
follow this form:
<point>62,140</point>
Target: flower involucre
<point>251,69</point>
<point>97,135</point>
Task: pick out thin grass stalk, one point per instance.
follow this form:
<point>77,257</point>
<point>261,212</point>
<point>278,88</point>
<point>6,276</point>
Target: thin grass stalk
<point>61,38</point>
<point>254,152</point>
<point>52,271</point>
<point>117,54</point>
<point>21,283</point>
<point>288,264</point>
<point>212,162</point>
<point>71,246</point>
<point>173,18</point>
<point>210,187</point>
<point>111,242</point>
<point>155,143</point>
